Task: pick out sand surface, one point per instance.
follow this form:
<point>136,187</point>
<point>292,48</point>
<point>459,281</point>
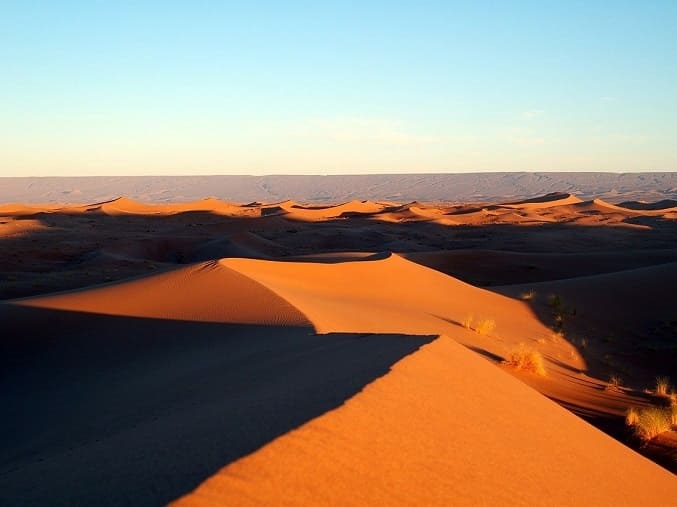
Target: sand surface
<point>213,353</point>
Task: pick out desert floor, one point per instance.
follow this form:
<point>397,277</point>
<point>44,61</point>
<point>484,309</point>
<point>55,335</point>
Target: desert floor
<point>210,353</point>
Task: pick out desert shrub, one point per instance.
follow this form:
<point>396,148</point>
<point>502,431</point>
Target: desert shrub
<point>662,385</point>
<point>631,417</point>
<point>652,421</point>
<point>525,358</point>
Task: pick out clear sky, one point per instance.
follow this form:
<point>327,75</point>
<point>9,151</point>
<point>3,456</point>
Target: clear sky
<point>199,87</point>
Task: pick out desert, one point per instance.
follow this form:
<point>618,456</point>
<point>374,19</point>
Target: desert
<point>338,254</point>
<point>359,353</point>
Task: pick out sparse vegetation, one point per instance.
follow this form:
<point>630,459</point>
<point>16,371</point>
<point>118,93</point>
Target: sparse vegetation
<point>650,422</point>
<point>662,386</point>
<point>525,358</point>
<point>467,322</point>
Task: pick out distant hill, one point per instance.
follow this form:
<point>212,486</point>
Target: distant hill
<point>612,187</point>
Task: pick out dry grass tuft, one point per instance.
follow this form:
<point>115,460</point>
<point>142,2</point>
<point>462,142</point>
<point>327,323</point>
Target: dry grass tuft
<point>651,422</point>
<point>485,326</point>
<point>631,417</point>
<point>662,386</point>
<point>527,359</point>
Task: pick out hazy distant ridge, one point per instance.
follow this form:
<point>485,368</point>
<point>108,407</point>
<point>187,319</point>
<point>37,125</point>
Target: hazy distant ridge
<point>612,187</point>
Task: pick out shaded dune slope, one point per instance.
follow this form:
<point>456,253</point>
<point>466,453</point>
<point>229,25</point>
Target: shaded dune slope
<point>619,314</point>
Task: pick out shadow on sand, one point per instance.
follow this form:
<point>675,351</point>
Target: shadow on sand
<point>107,410</point>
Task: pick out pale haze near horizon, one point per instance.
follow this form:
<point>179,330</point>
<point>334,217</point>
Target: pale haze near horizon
<point>142,88</point>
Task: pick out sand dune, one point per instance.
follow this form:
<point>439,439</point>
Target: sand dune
<point>495,267</point>
<point>298,212</point>
<point>664,205</point>
<point>546,201</point>
<point>428,434</point>
<point>124,205</point>
<point>283,353</point>
<point>15,228</point>
<point>206,292</point>
<point>9,210</point>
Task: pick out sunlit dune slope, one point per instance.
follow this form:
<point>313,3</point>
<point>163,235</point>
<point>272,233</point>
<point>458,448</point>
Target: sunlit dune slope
<point>444,427</point>
<point>206,292</point>
<point>384,295</point>
<point>126,206</point>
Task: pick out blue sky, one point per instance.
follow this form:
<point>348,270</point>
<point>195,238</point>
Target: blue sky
<point>336,87</point>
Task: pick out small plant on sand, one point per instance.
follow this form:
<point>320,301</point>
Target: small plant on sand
<point>631,417</point>
<point>525,358</point>
<point>482,326</point>
<point>662,386</point>
<point>652,421</point>
<point>485,326</point>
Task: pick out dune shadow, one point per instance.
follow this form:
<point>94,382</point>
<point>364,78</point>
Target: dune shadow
<point>110,410</point>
